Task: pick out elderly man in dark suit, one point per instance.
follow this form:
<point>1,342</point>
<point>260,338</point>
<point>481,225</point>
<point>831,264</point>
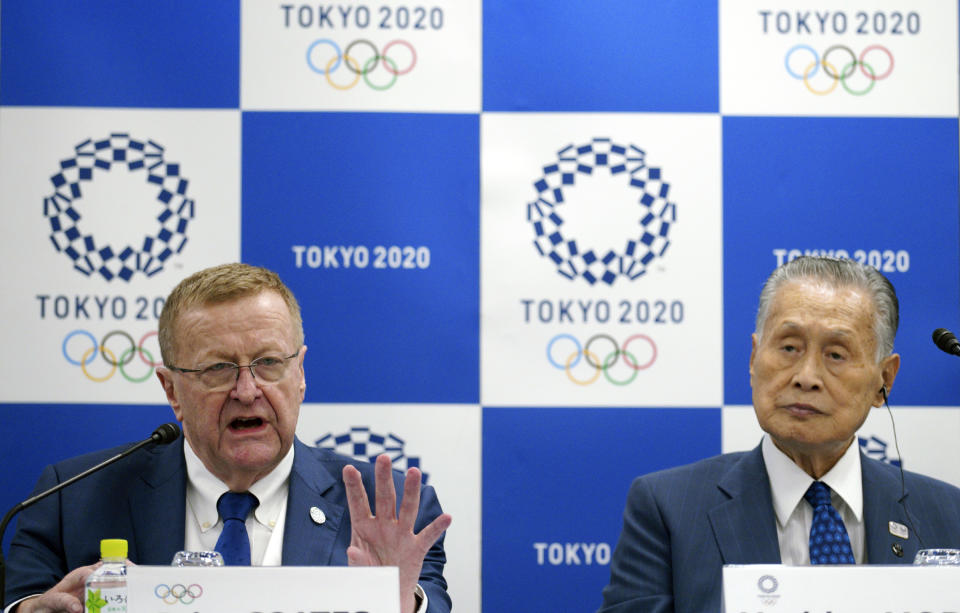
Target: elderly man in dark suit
<point>822,357</point>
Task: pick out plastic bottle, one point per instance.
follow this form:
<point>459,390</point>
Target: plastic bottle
<point>106,588</point>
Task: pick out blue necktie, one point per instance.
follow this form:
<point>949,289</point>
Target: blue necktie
<point>829,541</point>
<point>234,544</point>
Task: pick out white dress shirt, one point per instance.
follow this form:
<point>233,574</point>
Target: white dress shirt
<point>788,484</point>
<point>264,525</point>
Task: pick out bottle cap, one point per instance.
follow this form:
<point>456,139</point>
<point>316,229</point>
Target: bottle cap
<point>113,548</point>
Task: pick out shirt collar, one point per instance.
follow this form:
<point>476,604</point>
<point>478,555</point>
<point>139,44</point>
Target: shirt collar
<point>788,482</point>
<point>204,489</point>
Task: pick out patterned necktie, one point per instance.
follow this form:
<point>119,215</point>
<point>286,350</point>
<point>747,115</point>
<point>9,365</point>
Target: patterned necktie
<point>829,541</point>
<point>234,544</point>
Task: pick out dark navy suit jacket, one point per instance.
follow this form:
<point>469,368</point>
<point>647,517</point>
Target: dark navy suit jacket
<point>142,499</point>
<point>682,525</point>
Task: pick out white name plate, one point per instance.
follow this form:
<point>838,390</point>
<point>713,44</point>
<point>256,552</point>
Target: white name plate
<point>262,589</point>
<point>772,588</point>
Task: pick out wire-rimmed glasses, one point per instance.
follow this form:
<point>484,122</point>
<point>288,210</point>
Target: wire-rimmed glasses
<point>224,375</point>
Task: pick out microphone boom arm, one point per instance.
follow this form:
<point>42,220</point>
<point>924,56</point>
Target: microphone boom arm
<point>166,433</point>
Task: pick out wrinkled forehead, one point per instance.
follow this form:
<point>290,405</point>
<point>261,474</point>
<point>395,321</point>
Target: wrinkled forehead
<point>807,302</point>
<point>264,313</point>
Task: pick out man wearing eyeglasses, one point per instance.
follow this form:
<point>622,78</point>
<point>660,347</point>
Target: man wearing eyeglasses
<point>231,338</point>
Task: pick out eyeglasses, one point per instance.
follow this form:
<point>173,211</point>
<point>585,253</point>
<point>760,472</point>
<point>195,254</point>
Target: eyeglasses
<point>224,375</point>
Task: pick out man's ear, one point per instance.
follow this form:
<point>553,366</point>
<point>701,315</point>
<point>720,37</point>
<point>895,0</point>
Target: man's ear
<point>889,367</point>
<point>169,388</point>
<point>303,376</point>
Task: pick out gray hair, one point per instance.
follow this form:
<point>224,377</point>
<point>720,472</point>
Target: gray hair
<point>838,273</point>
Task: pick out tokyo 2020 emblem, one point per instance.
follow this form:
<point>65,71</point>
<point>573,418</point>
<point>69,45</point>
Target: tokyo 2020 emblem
<point>363,443</point>
<point>653,213</point>
<point>171,208</point>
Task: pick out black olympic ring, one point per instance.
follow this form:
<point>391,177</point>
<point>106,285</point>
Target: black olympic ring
<point>109,357</point>
<point>357,67</point>
<point>373,47</point>
<point>839,76</point>
<point>604,365</point>
<point>178,592</point>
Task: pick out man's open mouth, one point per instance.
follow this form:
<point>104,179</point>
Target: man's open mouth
<point>245,423</point>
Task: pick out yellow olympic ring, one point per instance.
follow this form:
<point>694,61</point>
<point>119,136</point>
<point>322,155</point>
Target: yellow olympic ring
<point>806,81</point>
<point>356,77</point>
<point>88,353</point>
<point>596,374</point>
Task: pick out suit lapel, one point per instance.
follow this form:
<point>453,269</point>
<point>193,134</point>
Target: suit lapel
<point>744,525</point>
<point>157,506</point>
<point>305,542</point>
<point>882,496</point>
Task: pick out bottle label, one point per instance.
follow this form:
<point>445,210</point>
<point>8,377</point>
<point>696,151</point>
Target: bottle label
<point>106,600</point>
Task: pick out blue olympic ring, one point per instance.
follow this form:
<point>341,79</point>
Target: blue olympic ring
<point>67,338</point>
<point>336,48</point>
<point>786,61</point>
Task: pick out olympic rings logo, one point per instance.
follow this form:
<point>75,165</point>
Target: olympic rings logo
<point>109,356</point>
<point>361,65</point>
<point>570,360</point>
<point>839,76</point>
<point>171,594</point>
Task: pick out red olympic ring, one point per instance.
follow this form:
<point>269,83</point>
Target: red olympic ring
<point>653,357</point>
<point>413,53</point>
<point>863,54</point>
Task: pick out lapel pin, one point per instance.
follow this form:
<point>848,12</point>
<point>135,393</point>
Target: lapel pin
<point>899,530</point>
<point>897,549</point>
<point>317,515</point>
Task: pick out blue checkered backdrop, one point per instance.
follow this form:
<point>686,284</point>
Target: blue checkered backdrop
<point>527,237</point>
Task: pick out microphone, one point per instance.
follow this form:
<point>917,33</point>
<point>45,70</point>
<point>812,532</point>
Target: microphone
<point>163,435</point>
<point>946,341</point>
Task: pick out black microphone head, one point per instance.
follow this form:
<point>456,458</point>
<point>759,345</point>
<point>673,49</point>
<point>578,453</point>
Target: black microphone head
<point>166,434</point>
<point>946,341</point>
